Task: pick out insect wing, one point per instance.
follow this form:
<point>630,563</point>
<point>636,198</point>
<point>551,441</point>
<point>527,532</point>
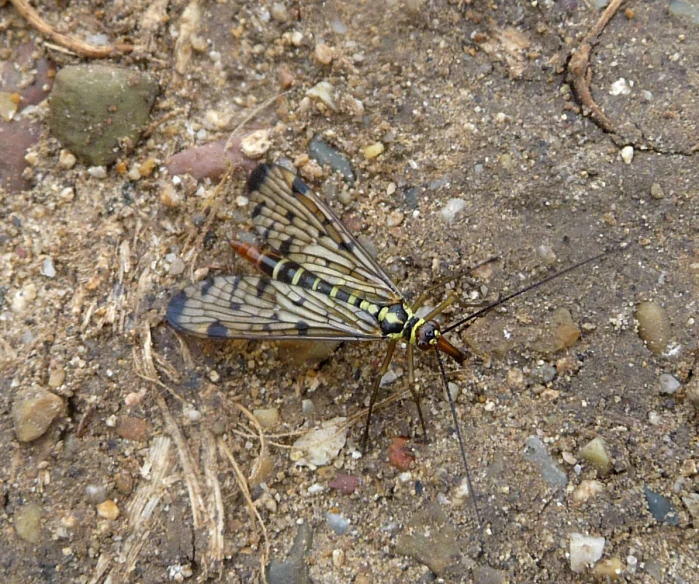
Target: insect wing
<point>294,221</point>
<point>244,307</point>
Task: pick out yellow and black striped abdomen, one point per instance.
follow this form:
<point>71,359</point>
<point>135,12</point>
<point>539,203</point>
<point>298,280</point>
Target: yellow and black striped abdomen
<point>289,272</point>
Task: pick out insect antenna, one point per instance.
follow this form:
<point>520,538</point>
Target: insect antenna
<point>509,297</point>
<point>452,407</point>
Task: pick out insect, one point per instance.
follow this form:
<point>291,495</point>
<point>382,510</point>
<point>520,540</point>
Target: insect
<point>317,283</point>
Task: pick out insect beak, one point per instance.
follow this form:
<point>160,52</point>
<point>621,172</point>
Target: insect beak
<point>446,347</point>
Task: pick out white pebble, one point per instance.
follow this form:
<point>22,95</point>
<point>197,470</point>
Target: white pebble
<point>47,268</point>
<point>620,87</point>
<point>627,154</point>
<point>585,551</point>
<point>668,384</point>
<point>97,172</point>
<point>256,145</point>
<point>450,210</point>
<point>325,92</point>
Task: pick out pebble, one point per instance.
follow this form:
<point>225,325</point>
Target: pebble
<point>691,501</point>
<point>320,446</point>
<point>660,507</point>
<point>96,108</point>
<point>98,172</point>
<point>608,569</point>
<point>123,483</point>
<point>293,570</point>
<point>373,150</point>
<point>537,453</point>
<point>654,326</point>
<point>66,159</point>
<point>686,9</point>
<point>323,54</point>
<point>586,490</point>
<point>585,551</point>
<point>324,91</point>
<point>108,510</point>
<point>210,160</point>
<point>337,523</point>
<point>399,456</point>
<point>657,192</point>
<point>57,376</point>
<point>452,209</point>
<point>23,298</point>
<point>344,484</point>
<point>47,268</point>
<point>323,154</point>
<point>131,428</point>
<point>33,413</point>
<point>668,384</point>
<point>561,334</point>
<point>595,453</point>
<point>27,521</point>
<point>546,253</point>
<point>395,219</point>
<point>430,539</point>
<point>627,154</point>
<point>256,144</point>
<point>177,266</point>
<point>279,12</point>
<point>488,575</point>
<point>286,78</point>
<point>338,557</point>
<point>96,494</point>
<point>267,417</point>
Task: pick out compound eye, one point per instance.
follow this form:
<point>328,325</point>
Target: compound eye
<point>427,335</point>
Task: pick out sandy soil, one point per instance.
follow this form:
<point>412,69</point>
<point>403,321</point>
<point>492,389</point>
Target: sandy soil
<point>472,100</point>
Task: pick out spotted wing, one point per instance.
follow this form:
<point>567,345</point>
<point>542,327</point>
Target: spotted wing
<point>295,222</point>
<point>244,307</point>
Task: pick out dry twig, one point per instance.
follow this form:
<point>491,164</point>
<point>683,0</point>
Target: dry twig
<point>71,43</point>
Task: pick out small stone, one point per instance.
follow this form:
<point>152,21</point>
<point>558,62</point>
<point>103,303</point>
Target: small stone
<point>451,209</point>
<point>668,384</point>
<point>546,253</point>
<point>27,521</point>
<point>654,326</point>
<point>308,408</point>
<point>34,412</point>
<point>373,150</point>
<point>279,12</point>
<point>124,483</point>
<point>585,551</point>
<point>627,154</point>
<point>691,501</point>
<point>608,569</point>
<point>108,510</point>
<point>430,539</point>
<point>23,298</point>
<point>294,570</point>
<point>57,376</point>
<point>324,92</point>
<point>267,417</point>
<point>337,523</point>
<point>320,151</point>
<point>147,167</point>
<point>537,452</point>
<point>657,192</point>
<point>660,507</point>
<point>344,484</point>
<point>47,268</point>
<point>131,428</point>
<point>8,106</point>
<point>98,172</point>
<point>620,87</point>
<point>256,145</point>
<point>66,159</point>
<point>398,454</point>
<point>487,575</point>
<point>395,219</point>
<point>177,266</point>
<point>586,490</point>
<point>338,557</point>
<point>96,494</point>
<point>296,38</point>
<point>323,54</point>
<point>286,78</point>
<point>595,453</point>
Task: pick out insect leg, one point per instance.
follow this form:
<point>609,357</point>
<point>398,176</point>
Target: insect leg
<point>375,389</point>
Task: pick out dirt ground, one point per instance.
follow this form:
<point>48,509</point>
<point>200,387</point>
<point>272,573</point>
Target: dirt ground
<point>472,100</point>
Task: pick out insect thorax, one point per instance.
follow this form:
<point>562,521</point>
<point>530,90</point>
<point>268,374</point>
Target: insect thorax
<point>398,321</point>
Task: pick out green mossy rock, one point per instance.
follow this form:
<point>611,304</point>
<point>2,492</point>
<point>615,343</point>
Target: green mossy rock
<point>98,110</point>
